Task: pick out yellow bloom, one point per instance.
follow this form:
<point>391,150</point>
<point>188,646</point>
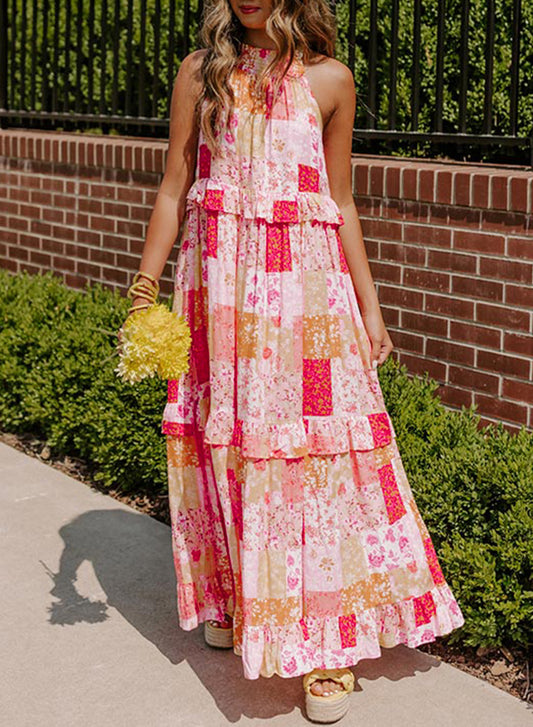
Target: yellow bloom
<point>154,341</point>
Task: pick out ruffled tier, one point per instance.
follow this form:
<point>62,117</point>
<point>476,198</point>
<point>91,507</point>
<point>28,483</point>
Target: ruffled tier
<point>220,196</point>
<point>268,650</point>
<point>342,641</point>
<point>307,435</point>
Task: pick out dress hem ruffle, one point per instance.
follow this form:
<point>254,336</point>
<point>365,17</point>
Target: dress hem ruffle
<point>291,651</point>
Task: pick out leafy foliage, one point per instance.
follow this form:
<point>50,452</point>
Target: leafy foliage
<point>500,103</point>
<point>57,369</point>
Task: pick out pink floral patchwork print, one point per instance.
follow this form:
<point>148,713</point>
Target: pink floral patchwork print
<point>289,502</point>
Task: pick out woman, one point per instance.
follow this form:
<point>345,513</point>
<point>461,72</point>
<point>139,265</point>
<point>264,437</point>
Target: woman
<point>296,538</point>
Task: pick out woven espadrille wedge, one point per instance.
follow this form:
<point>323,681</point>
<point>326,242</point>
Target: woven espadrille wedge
<point>217,635</point>
<point>332,707</point>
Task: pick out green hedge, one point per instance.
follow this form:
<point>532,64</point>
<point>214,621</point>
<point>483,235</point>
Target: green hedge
<point>474,486</point>
<point>56,367</point>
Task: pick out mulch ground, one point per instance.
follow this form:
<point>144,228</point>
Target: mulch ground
<point>509,669</point>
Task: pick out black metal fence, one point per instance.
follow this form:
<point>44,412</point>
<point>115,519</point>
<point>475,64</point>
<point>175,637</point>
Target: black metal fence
<point>435,78</point>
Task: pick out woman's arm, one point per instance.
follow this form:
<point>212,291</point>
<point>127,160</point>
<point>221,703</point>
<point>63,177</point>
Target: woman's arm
<point>169,208</point>
<point>335,88</point>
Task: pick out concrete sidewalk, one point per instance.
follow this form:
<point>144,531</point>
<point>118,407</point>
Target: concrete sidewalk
<point>90,635</point>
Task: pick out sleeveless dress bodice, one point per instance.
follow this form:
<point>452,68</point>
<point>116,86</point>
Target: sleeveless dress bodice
<point>270,164</point>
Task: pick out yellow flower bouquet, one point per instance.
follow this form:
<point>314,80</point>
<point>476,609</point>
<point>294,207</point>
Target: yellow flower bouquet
<point>154,341</point>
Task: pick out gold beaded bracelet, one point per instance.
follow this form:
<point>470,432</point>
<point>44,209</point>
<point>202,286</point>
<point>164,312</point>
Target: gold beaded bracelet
<point>147,289</point>
<point>149,277</point>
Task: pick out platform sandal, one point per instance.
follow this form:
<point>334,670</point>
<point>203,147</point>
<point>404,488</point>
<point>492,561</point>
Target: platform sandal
<point>332,707</point>
<point>219,636</point>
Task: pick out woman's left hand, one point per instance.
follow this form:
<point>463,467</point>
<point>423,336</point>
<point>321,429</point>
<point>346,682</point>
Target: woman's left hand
<point>381,342</point>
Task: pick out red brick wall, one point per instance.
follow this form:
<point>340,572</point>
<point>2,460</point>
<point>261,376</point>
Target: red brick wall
<point>78,205</point>
<point>450,247</point>
<point>451,250</point>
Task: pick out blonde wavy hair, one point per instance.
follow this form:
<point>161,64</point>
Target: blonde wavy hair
<point>307,25</point>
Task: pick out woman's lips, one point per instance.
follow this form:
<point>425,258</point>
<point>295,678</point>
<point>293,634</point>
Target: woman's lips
<point>248,9</point>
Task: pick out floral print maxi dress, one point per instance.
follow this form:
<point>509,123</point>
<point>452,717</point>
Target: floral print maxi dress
<point>289,503</point>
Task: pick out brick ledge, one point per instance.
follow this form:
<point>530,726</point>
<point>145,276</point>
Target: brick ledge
<point>449,182</point>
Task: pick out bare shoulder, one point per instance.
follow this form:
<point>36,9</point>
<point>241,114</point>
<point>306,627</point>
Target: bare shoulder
<point>195,58</point>
<point>332,84</point>
<point>331,72</point>
<point>187,88</point>
<point>190,68</point>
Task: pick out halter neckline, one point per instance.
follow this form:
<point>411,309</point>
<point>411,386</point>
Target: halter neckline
<point>256,48</point>
<point>253,58</point>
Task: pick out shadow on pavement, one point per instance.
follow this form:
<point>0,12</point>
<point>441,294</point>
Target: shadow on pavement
<point>133,563</point>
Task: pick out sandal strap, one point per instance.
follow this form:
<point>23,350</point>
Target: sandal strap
<point>226,619</point>
<point>342,676</point>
